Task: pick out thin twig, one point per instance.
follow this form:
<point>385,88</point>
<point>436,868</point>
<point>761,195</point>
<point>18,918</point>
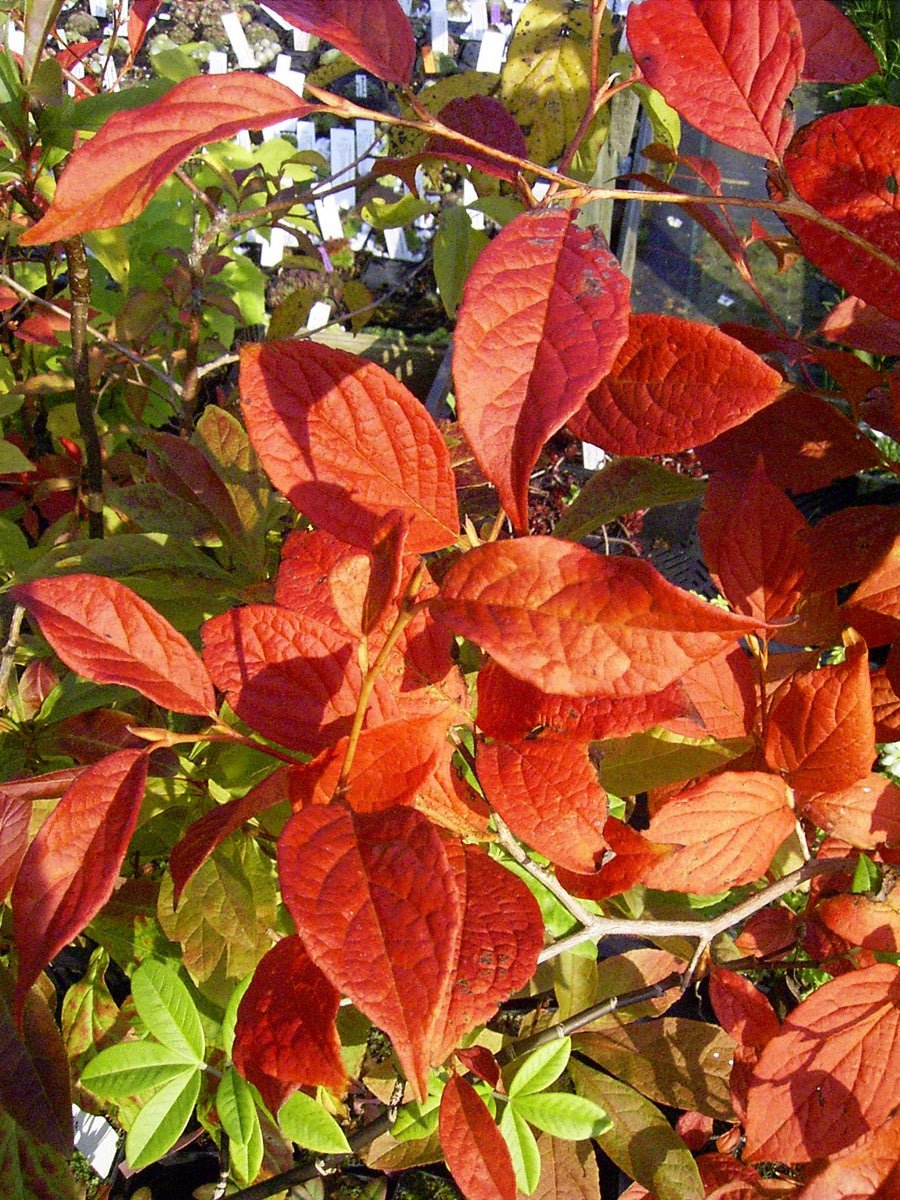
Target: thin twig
<point>80,291</point>
<point>8,653</point>
<point>572,906</point>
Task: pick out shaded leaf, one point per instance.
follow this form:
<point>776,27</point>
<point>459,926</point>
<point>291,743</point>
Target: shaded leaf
<point>867,1170</point>
<point>346,443</point>
<point>741,1009</point>
<point>723,693</point>
<point>622,486</point>
<point>546,790</point>
<point>659,758</point>
<point>487,121</point>
<point>575,623</point>
<point>874,607</point>
<point>726,828</point>
<point>378,35</point>
<point>473,1146</point>
<point>728,69</point>
<point>674,384</point>
<point>627,973</point>
<point>846,545</point>
<point>640,1140</point>
<point>285,1036</point>
<point>836,52</point>
<point>544,312</point>
<point>872,922</point>
<point>866,814</point>
<point>855,323</point>
<point>71,867</point>
<point>568,1170</point>
<point>106,633</point>
<point>110,179</point>
<point>828,1078</point>
<point>456,249</point>
<point>844,166</point>
<point>820,731</point>
<point>15,815</point>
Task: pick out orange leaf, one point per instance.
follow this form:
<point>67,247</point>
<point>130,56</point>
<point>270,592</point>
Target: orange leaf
<point>885,706</point>
<point>855,323</point>
<point>821,732</point>
<point>865,921</point>
<point>674,385</point>
<point>544,312</point>
<point>285,1036</point>
<point>476,1154</point>
<point>866,814</point>
<point>768,932</point>
<point>726,830</point>
<point>741,1009</point>
<point>752,543</point>
<point>375,900</point>
<point>830,1075</point>
<point>547,791</point>
<point>346,443</point>
<point>728,68</point>
<point>844,165</point>
<point>111,179</point>
<point>723,692</point>
<point>874,608</point>
<point>71,867</point>
<point>575,623</point>
<point>868,1170</point>
<point>632,858</point>
<point>376,34</point>
<point>846,545</point>
<point>106,633</point>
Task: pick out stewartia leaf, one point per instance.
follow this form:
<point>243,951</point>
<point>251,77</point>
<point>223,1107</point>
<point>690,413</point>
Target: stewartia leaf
<point>111,179</point>
<point>576,623</point>
<point>544,313</point>
<point>285,1035</point>
<point>104,632</point>
<point>309,1125</point>
<point>523,1149</point>
<point>675,384</point>
<point>377,35</point>
<point>844,165</point>
<point>855,323</point>
<point>546,790</point>
<point>165,1006</point>
<point>868,1170</point>
<point>829,1077</point>
<point>508,708</point>
<point>874,607</point>
<point>723,693</point>
<point>161,1121</point>
<point>236,1108</point>
<point>820,732</point>
<point>485,120</point>
<point>866,815</point>
<point>374,898</point>
<point>563,1115</point>
<point>752,543</point>
<point>541,1068</point>
<point>726,830</point>
<point>15,815</point>
<point>741,1009</point>
<point>71,867</point>
<point>836,52</point>
<point>728,68</point>
<point>346,443</point>
<point>133,1067</point>
<point>867,921</point>
<point>473,1146</point>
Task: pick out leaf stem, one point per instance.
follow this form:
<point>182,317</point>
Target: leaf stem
<point>80,291</point>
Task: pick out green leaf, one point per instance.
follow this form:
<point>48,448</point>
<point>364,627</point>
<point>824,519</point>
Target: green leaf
<point>383,214</point>
<point>523,1149</point>
<point>456,247</point>
<point>161,1121</point>
<point>165,1006</point>
<point>12,460</point>
<point>174,64</point>
<point>659,757</point>
<point>415,1121</point>
<point>231,1011</point>
<point>236,1107</point>
<point>308,1124</point>
<point>563,1115</point>
<point>623,486</point>
<point>541,1068</point>
<point>130,1068</point>
<point>866,876</point>
<point>640,1140</point>
<point>499,209</point>
<point>14,550</point>
<point>94,111</point>
<point>246,1159</point>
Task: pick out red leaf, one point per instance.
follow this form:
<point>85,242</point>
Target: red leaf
<point>829,1076</point>
<point>741,1009</point>
<point>202,837</point>
<point>376,34</point>
<point>868,1170</point>
<point>285,1036</point>
<point>633,857</point>
<point>675,384</point>
<point>846,545</point>
<point>836,52</point>
<point>89,736</point>
<point>346,443</point>
<point>728,68</point>
<point>726,829</point>
<point>375,900</point>
<point>723,693</point>
<point>866,814</point>
<point>15,816</point>
<point>547,792</point>
<point>861,325</point>
<point>575,623</point>
<point>485,120</point>
<point>140,14</point>
<point>804,443</point>
<point>41,787</point>
<point>844,165</point>
<point>501,935</point>
<point>290,679</point>
<point>110,179</point>
<point>104,632</point>
<point>820,731</point>
<point>874,608</point>
<point>480,1061</point>
<point>751,538</point>
<point>72,865</point>
<point>768,932</point>
<point>447,800</point>
<point>509,708</point>
<point>476,1154</point>
<point>544,313</point>
<point>865,921</point>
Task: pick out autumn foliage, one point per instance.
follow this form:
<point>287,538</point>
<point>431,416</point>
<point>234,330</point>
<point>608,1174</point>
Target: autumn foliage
<point>398,763</point>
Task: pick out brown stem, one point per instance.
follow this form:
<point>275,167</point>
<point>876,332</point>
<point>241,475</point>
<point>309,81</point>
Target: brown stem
<point>92,476</point>
<point>8,653</point>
